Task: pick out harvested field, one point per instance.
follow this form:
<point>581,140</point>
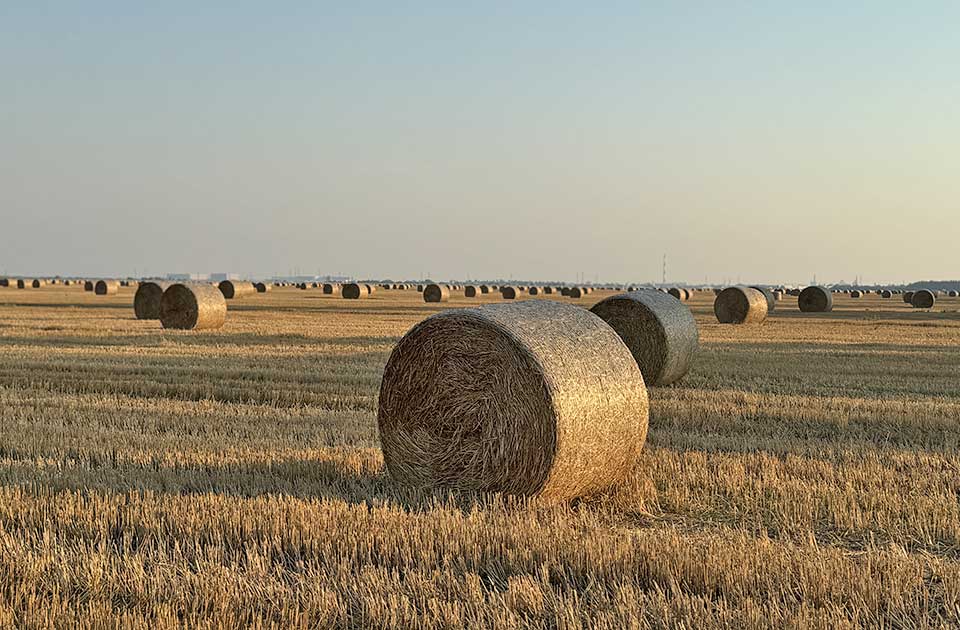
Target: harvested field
<point>805,472</point>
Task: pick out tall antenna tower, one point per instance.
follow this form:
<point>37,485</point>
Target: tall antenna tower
<point>663,275</point>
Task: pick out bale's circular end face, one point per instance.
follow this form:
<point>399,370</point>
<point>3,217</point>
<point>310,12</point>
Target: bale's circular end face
<point>508,293</point>
<point>815,300</point>
<point>436,293</point>
<point>353,291</point>
<point>740,305</point>
<point>527,398</point>
<point>106,287</point>
<point>146,301</point>
<point>192,307</point>
<point>660,332</point>
<point>923,299</point>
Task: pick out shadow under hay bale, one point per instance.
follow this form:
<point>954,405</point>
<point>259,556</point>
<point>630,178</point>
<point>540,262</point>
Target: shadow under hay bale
<point>488,399</point>
<point>660,332</point>
<point>740,305</point>
<point>815,300</point>
<point>435,293</point>
<point>193,307</point>
<point>146,301</point>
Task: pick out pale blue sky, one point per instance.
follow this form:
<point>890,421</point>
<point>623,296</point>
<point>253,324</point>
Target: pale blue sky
<point>766,142</point>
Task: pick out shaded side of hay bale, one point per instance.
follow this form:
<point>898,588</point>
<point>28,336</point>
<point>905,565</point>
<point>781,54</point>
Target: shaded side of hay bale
<point>508,293</point>
<point>660,332</point>
<point>923,298</point>
<point>107,287</point>
<point>419,288</point>
<point>37,283</point>
<point>740,305</point>
<point>4,282</point>
<point>575,292</point>
<point>953,294</point>
<point>565,291</point>
<point>484,289</point>
<point>678,293</point>
<point>815,300</point>
<point>908,297</point>
<point>548,290</point>
<point>769,297</point>
<point>235,289</point>
<point>353,291</point>
<point>488,399</point>
<point>330,289</point>
<point>470,291</point>
<point>534,291</point>
<point>856,294</point>
<point>886,295</point>
<point>193,307</point>
<point>436,293</point>
<point>262,287</point>
<point>24,283</point>
<point>146,301</point>
<point>88,285</point>
<point>371,288</point>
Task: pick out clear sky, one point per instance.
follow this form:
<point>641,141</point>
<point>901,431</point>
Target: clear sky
<point>765,141</point>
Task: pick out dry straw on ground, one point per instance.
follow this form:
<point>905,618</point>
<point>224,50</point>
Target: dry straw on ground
<point>193,307</point>
<point>146,301</point>
<point>815,300</point>
<point>353,291</point>
<point>436,293</point>
<point>489,399</point>
<point>107,287</point>
<point>740,305</point>
<point>660,332</point>
<point>923,298</point>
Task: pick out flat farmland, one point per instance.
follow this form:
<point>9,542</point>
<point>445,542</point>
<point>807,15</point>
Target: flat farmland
<point>805,473</point>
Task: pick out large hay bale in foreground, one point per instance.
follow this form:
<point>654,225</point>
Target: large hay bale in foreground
<point>193,307</point>
<point>353,291</point>
<point>740,305</point>
<point>146,301</point>
<point>107,287</point>
<point>508,293</point>
<point>529,398</point>
<point>660,332</point>
<point>769,296</point>
<point>434,293</point>
<point>815,300</point>
<point>235,289</point>
<point>470,291</point>
<point>923,299</point>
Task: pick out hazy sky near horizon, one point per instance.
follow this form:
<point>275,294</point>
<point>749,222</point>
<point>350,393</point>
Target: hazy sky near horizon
<point>765,142</point>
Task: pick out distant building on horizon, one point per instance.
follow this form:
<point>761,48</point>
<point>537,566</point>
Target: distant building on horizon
<point>188,277</point>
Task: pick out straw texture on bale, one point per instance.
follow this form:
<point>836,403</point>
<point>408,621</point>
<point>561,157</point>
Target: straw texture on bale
<point>262,287</point>
<point>371,288</point>
<point>768,295</point>
<point>330,289</point>
<point>107,287</point>
<point>146,301</point>
<point>508,293</point>
<point>436,293</point>
<point>193,307</point>
<point>923,299</point>
<point>353,291</point>
<point>490,399</point>
<point>234,289</point>
<point>470,291</point>
<point>740,305</point>
<point>24,283</point>
<point>660,332</point>
<point>815,300</point>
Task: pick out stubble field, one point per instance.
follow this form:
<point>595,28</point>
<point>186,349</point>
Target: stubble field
<point>806,473</point>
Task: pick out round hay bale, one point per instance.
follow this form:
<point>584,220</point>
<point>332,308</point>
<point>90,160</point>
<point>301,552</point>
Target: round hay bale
<point>24,283</point>
<point>37,283</point>
<point>908,297</point>
<point>565,291</point>
<point>660,332</point>
<point>886,295</point>
<point>815,300</point>
<point>353,291</point>
<point>146,301</point>
<point>576,292</point>
<point>434,293</point>
<point>768,295</point>
<point>508,293</point>
<point>419,288</point>
<point>923,298</point>
<point>740,305</point>
<point>856,294</point>
<point>470,291</point>
<point>330,288</point>
<point>88,285</point>
<point>677,293</point>
<point>371,288</point>
<point>534,290</point>
<point>262,287</point>
<point>953,294</point>
<point>4,282</point>
<point>488,399</point>
<point>193,307</point>
<point>106,287</point>
<point>234,289</point>
<point>484,289</point>
<point>548,290</point>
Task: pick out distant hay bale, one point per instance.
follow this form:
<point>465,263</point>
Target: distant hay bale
<point>235,289</point>
<point>534,290</point>
<point>565,291</point>
<point>146,301</point>
<point>769,297</point>
<point>262,287</point>
<point>953,294</point>
<point>470,291</point>
<point>353,291</point>
<point>330,288</point>
<point>420,288</point>
<point>508,293</point>
<point>886,295</point>
<point>488,399</point>
<point>856,294</point>
<point>484,289</point>
<point>740,305</point>
<point>660,332</point>
<point>88,285</point>
<point>24,283</point>
<point>193,307</point>
<point>548,290</point>
<point>4,282</point>
<point>923,298</point>
<point>908,297</point>
<point>371,288</point>
<point>434,293</point>
<point>815,300</point>
<point>576,292</point>
<point>107,287</point>
<point>37,283</point>
<point>678,293</point>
